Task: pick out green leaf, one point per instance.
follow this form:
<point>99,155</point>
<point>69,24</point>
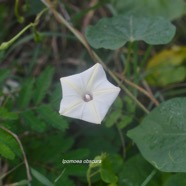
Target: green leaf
<point>108,176</point>
<point>126,120</point>
<point>168,66</point>
<point>26,93</point>
<point>6,151</point>
<point>42,84</point>
<point>178,179</point>
<point>112,118</point>
<point>165,8</point>
<point>161,137</point>
<point>118,104</point>
<point>6,115</point>
<point>106,171</point>
<point>33,121</point>
<point>52,117</point>
<point>116,162</point>
<point>9,147</point>
<point>114,115</point>
<point>41,178</point>
<point>55,96</point>
<point>128,114</point>
<point>113,33</point>
<point>135,171</point>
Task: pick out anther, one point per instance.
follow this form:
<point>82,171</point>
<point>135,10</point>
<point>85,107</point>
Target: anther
<point>87,97</point>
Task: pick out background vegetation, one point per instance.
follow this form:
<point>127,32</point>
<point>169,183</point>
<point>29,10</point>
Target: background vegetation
<point>38,47</point>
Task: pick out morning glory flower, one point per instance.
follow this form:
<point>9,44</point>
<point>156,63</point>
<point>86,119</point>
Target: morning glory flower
<point>87,95</point>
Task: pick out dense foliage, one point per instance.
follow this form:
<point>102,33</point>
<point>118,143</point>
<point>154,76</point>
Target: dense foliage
<point>142,46</point>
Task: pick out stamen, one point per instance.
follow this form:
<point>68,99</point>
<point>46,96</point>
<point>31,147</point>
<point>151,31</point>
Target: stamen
<point>87,97</point>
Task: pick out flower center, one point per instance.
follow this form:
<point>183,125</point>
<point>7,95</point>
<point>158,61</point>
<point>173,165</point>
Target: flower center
<point>87,97</point>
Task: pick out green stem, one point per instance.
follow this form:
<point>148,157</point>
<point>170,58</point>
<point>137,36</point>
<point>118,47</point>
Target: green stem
<point>149,178</point>
<point>135,63</point>
<point>91,175</point>
<point>127,69</point>
<point>16,11</point>
<point>10,171</point>
<point>122,141</point>
<point>147,54</point>
<point>5,45</point>
<point>96,172</point>
<point>56,180</point>
<point>29,177</point>
<point>88,177</point>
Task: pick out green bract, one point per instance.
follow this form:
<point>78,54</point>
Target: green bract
<point>113,33</point>
<point>161,137</point>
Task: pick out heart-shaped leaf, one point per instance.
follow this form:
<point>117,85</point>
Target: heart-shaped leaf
<point>161,137</point>
<point>113,33</point>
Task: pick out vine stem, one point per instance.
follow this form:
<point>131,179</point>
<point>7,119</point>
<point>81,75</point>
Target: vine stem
<point>22,150</point>
<point>6,44</point>
<point>94,56</point>
<point>122,141</point>
<point>147,93</point>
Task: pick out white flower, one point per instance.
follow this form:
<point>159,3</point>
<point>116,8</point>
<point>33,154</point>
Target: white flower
<point>87,95</point>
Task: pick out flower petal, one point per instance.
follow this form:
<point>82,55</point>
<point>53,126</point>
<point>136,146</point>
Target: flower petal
<point>105,86</point>
<point>93,76</point>
<point>72,85</point>
<point>90,113</point>
<point>105,92</point>
<point>71,106</point>
<point>104,100</point>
